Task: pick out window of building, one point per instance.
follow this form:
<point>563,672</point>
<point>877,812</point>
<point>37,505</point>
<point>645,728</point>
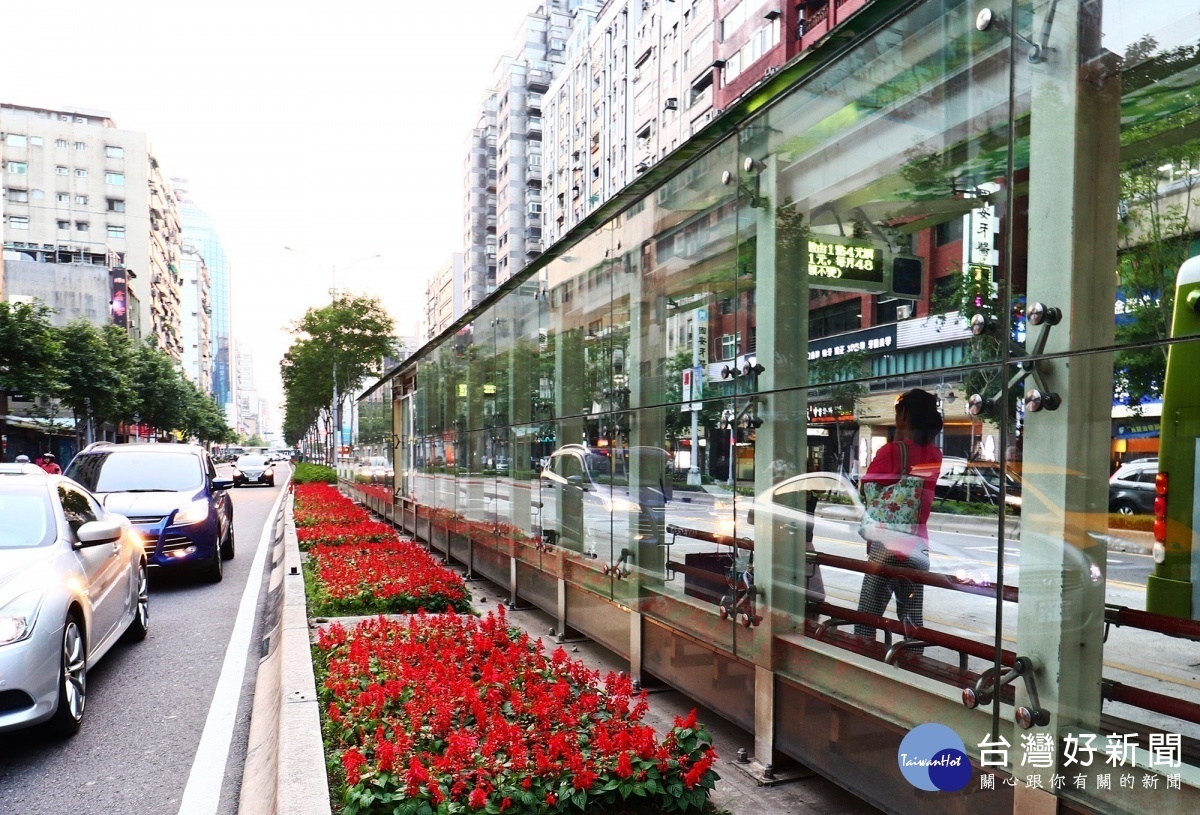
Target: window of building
<point>37,195</point>
<point>948,232</point>
<point>81,226</point>
<point>116,231</point>
<point>80,145</point>
<point>17,196</point>
<point>63,198</point>
<point>835,319</point>
<point>63,224</point>
<point>116,179</point>
<point>116,205</point>
<point>61,170</point>
<point>16,140</point>
<point>61,143</point>
<point>730,343</point>
<point>16,167</point>
<point>81,200</point>
<point>18,222</point>
<point>36,141</point>
<point>112,151</point>
<point>80,172</point>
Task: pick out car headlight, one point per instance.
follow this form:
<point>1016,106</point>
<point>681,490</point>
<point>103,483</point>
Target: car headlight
<point>18,616</point>
<point>193,513</point>
<point>236,471</point>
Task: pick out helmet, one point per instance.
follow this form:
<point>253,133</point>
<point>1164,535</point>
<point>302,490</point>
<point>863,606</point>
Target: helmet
<point>22,459</point>
<point>48,457</point>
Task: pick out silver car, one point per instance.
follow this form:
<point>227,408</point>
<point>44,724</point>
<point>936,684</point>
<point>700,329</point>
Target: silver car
<point>73,580</point>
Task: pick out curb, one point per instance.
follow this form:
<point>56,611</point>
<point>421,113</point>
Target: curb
<point>285,766</point>
<point>302,779</point>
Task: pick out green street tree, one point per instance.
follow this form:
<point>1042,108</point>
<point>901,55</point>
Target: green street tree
<point>29,350</point>
<point>1155,239</point>
<point>203,417</point>
<point>161,392</point>
<point>96,373</point>
<point>338,347</point>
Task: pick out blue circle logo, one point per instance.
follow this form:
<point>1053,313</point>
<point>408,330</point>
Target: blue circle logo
<point>932,757</point>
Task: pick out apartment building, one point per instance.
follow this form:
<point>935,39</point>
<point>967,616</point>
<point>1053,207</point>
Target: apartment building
<point>79,190</point>
<point>443,298</point>
<point>637,84</point>
<point>643,76</point>
<point>196,316</point>
<point>503,168</point>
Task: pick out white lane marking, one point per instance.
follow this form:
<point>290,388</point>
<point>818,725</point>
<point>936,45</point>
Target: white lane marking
<point>202,795</point>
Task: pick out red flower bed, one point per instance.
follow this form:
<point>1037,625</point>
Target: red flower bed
<point>322,503</point>
<point>456,714</point>
<point>393,577</point>
<point>335,533</point>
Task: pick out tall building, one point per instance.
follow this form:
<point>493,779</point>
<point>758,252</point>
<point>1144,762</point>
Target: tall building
<point>196,318</point>
<point>443,298</point>
<point>503,200</point>
<point>643,76</point>
<point>637,84</point>
<point>249,409</point>
<point>200,230</point>
<point>82,192</point>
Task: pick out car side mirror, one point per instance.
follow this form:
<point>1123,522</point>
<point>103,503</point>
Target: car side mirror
<point>222,483</point>
<point>95,533</point>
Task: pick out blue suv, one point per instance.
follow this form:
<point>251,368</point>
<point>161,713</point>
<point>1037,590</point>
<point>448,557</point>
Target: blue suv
<point>172,496</point>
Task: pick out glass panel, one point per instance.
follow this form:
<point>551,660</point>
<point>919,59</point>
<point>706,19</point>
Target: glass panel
<point>579,341</point>
<point>676,294</point>
<point>870,226</point>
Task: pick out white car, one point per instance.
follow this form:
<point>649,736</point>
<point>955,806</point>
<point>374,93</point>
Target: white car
<point>73,581</point>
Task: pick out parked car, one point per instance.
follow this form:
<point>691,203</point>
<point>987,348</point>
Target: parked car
<point>172,496</point>
<point>977,481</point>
<point>253,469</point>
<point>72,582</point>
<point>374,470</point>
<point>1131,487</point>
<point>597,504</point>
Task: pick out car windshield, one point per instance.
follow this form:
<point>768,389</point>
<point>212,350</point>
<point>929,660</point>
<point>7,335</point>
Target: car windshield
<point>137,472</point>
<point>25,517</point>
<point>252,461</point>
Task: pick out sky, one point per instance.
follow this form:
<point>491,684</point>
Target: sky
<point>338,129</point>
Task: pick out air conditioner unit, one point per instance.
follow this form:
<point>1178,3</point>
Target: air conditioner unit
<point>771,70</point>
<point>718,111</point>
<point>672,103</point>
<point>904,312</point>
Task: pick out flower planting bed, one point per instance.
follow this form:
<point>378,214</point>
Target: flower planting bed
<point>455,714</point>
<point>389,577</point>
<point>450,713</point>
<point>357,566</point>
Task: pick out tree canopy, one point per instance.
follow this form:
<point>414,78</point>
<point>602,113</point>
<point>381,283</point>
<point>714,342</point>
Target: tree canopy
<point>345,342</point>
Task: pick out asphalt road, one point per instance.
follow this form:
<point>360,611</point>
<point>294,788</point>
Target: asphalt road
<point>148,702</point>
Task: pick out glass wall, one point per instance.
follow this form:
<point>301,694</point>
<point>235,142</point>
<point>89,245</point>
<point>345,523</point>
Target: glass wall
<point>886,401</point>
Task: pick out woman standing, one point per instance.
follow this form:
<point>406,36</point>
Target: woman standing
<point>913,452</point>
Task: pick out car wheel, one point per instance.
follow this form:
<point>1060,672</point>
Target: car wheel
<point>228,548</point>
<point>139,626</point>
<point>214,571</point>
<point>1124,508</point>
<point>72,680</point>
